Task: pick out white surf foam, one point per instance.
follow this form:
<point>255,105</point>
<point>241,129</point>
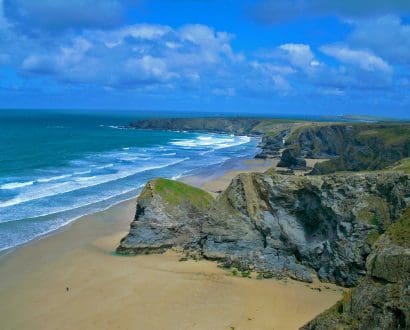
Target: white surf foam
<point>16,185</point>
<point>213,142</point>
<point>81,183</point>
<point>54,178</point>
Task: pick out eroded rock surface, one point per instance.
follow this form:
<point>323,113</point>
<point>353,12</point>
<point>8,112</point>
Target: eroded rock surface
<point>169,214</point>
<point>382,298</point>
<point>286,225</point>
<point>351,147</point>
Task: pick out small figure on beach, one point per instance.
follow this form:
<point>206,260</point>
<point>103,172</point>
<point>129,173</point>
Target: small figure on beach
<point>67,289</point>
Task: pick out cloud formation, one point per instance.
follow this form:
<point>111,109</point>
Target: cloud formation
<point>359,58</point>
<point>279,11</point>
<point>387,36</point>
<point>133,56</point>
<point>100,52</point>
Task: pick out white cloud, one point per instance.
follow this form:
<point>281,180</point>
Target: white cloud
<point>387,36</point>
<point>141,32</point>
<point>299,55</point>
<point>211,44</point>
<point>135,55</point>
<point>361,58</point>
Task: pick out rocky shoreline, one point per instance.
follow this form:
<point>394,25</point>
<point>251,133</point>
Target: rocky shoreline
<point>333,226</point>
<point>283,225</point>
<point>345,146</point>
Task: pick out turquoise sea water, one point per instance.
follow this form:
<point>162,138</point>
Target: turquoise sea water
<point>57,166</point>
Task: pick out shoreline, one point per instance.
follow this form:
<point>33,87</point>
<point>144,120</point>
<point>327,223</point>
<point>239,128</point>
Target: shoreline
<point>199,180</point>
<point>51,282</point>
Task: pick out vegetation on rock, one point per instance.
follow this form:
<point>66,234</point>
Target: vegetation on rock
<point>175,192</point>
<point>399,232</point>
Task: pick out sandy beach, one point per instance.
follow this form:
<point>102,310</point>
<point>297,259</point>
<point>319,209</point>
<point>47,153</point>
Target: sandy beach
<point>73,280</point>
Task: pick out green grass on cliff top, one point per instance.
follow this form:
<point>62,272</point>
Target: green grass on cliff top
<point>399,232</point>
<point>403,165</point>
<point>389,134</point>
<point>175,192</point>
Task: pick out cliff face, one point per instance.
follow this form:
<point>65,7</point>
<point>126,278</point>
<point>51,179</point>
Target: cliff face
<point>237,126</point>
<point>284,225</point>
<point>292,225</point>
<point>169,214</point>
<point>382,298</point>
<point>352,147</point>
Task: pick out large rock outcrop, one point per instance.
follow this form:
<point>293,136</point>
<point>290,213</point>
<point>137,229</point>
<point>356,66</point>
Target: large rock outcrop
<point>292,225</point>
<point>169,214</point>
<point>292,160</point>
<point>285,225</point>
<point>382,298</point>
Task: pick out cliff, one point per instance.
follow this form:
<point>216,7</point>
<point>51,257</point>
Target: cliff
<point>281,225</point>
<point>233,125</point>
<point>169,214</point>
<point>382,298</point>
<point>351,147</point>
<point>345,146</point>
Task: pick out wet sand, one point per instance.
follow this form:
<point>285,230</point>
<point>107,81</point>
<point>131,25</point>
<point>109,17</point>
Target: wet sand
<point>217,182</point>
<point>106,291</point>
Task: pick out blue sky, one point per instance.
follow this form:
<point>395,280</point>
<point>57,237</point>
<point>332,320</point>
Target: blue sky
<point>266,56</point>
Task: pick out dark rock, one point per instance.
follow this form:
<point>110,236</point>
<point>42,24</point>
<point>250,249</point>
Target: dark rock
<point>288,225</point>
<point>382,298</point>
<point>273,143</point>
<point>291,160</point>
<point>350,147</point>
<point>293,225</point>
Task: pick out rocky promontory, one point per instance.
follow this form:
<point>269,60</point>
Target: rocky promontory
<point>281,225</point>
<point>169,214</point>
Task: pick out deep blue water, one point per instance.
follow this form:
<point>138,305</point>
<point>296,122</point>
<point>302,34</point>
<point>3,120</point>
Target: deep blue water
<point>57,166</point>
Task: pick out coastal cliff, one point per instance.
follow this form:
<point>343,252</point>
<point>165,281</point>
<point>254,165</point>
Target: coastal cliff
<point>338,223</point>
<point>351,147</point>
<point>344,146</point>
<point>277,225</point>
<point>382,298</point>
<point>234,125</point>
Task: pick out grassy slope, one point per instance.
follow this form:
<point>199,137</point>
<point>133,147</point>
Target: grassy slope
<point>175,192</point>
<point>403,165</point>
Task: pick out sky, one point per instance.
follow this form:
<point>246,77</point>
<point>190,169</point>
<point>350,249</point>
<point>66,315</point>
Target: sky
<point>306,57</point>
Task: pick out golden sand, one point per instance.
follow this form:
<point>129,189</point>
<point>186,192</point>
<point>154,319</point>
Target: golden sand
<point>217,183</point>
<point>73,280</point>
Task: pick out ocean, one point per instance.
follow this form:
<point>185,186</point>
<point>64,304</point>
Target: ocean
<point>56,166</point>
